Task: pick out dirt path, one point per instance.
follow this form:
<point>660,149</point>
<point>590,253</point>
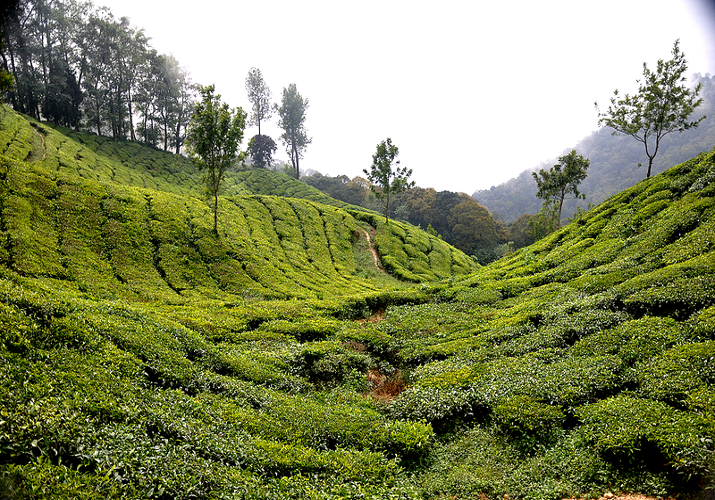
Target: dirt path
<point>42,138</point>
<point>373,251</point>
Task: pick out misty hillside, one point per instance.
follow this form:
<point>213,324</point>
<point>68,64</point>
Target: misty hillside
<point>313,352</point>
<point>614,161</point>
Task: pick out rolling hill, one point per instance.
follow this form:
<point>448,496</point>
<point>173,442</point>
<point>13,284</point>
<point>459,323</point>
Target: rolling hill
<point>143,357</point>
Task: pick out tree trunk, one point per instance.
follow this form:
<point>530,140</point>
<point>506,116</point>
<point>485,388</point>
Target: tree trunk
<point>177,137</point>
<point>132,136</point>
<point>387,210</point>
<point>558,219</point>
<point>297,161</point>
<point>216,213</point>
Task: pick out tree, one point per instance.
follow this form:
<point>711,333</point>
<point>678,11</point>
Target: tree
<point>561,179</point>
<point>260,96</point>
<point>661,106</point>
<point>261,149</point>
<point>384,181</point>
<point>292,121</point>
<point>7,81</point>
<point>213,138</point>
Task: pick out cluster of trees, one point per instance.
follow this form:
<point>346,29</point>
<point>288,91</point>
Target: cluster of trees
<point>291,118</point>
<point>75,65</point>
<point>215,132</point>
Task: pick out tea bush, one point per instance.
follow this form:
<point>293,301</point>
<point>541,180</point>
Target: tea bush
<point>142,355</point>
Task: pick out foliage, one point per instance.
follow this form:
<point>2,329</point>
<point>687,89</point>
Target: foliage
<point>6,83</point>
<point>215,134</point>
<point>142,357</point>
<point>662,105</point>
<point>291,119</point>
<point>562,179</point>
<point>608,154</point>
<point>261,149</point>
<point>259,94</point>
<point>385,181</point>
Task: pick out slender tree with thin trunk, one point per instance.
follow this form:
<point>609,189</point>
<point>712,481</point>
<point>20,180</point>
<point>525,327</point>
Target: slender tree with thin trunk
<point>213,138</point>
<point>559,181</point>
<point>260,97</point>
<point>661,106</point>
<point>386,181</point>
<point>292,121</point>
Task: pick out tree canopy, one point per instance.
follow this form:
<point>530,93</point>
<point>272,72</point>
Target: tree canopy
<point>76,65</point>
<point>261,148</point>
<point>386,176</point>
<point>663,104</point>
<point>292,120</point>
<point>259,95</point>
<point>215,133</point>
<point>560,180</point>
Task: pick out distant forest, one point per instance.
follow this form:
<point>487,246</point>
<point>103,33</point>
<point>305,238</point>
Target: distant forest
<point>77,66</point>
<point>614,164</point>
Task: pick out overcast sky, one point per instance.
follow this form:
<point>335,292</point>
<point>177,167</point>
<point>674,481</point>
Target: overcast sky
<point>472,92</point>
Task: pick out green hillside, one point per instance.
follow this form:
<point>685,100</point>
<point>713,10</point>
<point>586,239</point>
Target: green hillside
<point>133,164</point>
<point>143,357</point>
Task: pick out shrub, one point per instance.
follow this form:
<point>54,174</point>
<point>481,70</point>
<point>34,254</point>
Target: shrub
<point>329,362</point>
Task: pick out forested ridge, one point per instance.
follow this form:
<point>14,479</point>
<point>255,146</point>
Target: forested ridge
<point>76,65</point>
<point>614,164</point>
<point>144,356</point>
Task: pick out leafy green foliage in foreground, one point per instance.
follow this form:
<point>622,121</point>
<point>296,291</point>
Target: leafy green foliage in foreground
<point>581,364</point>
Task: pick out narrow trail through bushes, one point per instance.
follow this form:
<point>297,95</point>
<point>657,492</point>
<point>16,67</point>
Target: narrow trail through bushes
<point>373,250</point>
<point>42,138</point>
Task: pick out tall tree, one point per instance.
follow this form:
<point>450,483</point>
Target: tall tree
<point>560,180</point>
<point>386,176</point>
<point>292,121</point>
<point>259,94</point>
<point>213,138</point>
<point>661,106</point>
<point>183,105</point>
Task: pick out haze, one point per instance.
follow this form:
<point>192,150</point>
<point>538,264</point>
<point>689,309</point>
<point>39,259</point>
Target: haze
<point>473,93</point>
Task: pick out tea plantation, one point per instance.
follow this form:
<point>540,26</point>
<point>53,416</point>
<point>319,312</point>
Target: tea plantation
<point>142,356</point>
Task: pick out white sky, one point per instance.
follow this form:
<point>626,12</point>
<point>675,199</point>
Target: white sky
<point>472,92</point>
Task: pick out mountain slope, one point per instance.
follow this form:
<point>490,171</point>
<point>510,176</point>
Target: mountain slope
<point>614,161</point>
<point>73,214</point>
<point>585,359</point>
<point>131,163</point>
<point>137,360</point>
